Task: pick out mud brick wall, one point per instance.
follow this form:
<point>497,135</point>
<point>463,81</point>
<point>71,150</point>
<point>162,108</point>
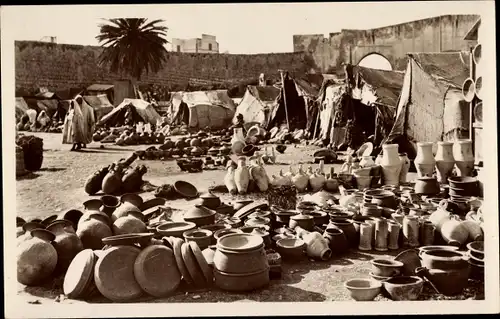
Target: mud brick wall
<point>63,66</point>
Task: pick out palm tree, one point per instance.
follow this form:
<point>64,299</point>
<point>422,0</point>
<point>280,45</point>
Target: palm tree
<point>133,46</point>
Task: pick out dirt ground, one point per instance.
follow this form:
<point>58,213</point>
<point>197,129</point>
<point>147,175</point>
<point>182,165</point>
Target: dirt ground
<point>58,187</point>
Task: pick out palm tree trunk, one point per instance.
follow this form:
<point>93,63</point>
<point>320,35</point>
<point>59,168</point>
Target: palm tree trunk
<point>135,87</point>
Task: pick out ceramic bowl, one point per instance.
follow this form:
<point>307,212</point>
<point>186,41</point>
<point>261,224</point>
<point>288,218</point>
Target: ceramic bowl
<point>386,267</point>
<point>203,237</point>
<point>443,259</point>
<point>222,232</point>
<point>379,278</point>
<point>240,242</point>
<point>404,288</point>
<point>320,218</point>
<point>174,229</point>
<point>210,201</point>
<point>291,248</point>
<point>185,189</point>
<point>363,289</point>
<point>476,249</point>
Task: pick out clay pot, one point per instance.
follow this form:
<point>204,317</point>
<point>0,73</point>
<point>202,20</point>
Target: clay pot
<point>365,236</point>
<point>49,220</point>
<point>242,176</point>
<point>371,210</point>
<point>424,161</point>
<point>203,237</point>
<point>27,228</point>
<point>240,261</point>
<point>391,164</point>
<point>213,228</point>
<point>210,201</point>
<point>393,240</point>
<point>443,259</point>
<point>94,182</point>
<point>363,289</point>
<point>464,157</point>
<point>411,231</point>
<point>73,215</point>
<point>444,161</point>
<point>241,282</point>
<point>222,232</point>
<point>427,230</point>
<point>291,249</point>
<point>381,234</point>
<point>200,215</point>
<point>303,221</point>
<point>93,206</point>
<point>347,227</point>
<point>123,210</point>
<point>386,267</point>
<point>109,204</point>
<point>454,232</point>
<point>258,221</point>
<point>383,198</point>
<point>112,182</point>
<point>427,185</point>
<point>404,288</point>
<point>337,241</point>
<point>405,167</point>
<point>92,229</point>
<point>36,258</point>
<point>132,198</point>
<point>66,243</point>
<point>447,282</point>
<point>132,223</point>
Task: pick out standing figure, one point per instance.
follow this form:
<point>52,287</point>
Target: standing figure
<point>79,124</point>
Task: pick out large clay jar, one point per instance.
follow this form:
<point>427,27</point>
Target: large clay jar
<point>66,243</point>
<point>444,161</point>
<point>427,230</point>
<point>132,223</point>
<point>73,215</point>
<point>391,164</point>
<point>92,206</point>
<point>92,229</point>
<point>316,244</point>
<point>336,240</point>
<point>238,141</point>
<point>454,233</point>
<point>36,258</point>
<point>132,179</point>
<point>411,231</point>
<point>366,161</point>
<point>424,162</point>
<point>123,210</point>
<point>112,182</point>
<point>242,176</point>
<point>347,227</point>
<point>464,157</point>
<point>27,228</point>
<point>405,167</point>
<point>109,204</point>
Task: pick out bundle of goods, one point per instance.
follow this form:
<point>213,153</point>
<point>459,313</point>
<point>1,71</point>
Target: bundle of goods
<point>117,178</point>
<point>33,151</point>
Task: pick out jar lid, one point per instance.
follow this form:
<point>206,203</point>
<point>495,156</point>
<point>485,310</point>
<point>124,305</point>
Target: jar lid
<point>79,274</point>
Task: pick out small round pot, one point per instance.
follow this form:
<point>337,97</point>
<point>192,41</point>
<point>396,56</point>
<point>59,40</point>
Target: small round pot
<point>363,289</point>
<point>284,216</point>
<point>210,201</point>
<point>304,221</point>
<point>386,267</point>
<point>222,232</point>
<point>404,288</point>
<point>443,259</point>
<point>109,204</point>
<point>202,237</point>
<point>241,282</point>
<point>291,248</point>
<point>185,189</point>
<point>447,282</point>
<point>240,262</point>
<point>319,217</point>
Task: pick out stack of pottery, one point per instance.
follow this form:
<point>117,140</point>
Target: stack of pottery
<point>427,185</point>
<point>464,157</point>
<point>424,162</point>
<point>380,197</point>
<point>240,263</point>
<point>476,261</point>
<point>447,270</point>
<point>391,164</point>
<point>463,186</point>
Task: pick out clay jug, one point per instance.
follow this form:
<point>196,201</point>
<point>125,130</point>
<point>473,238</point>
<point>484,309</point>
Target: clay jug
<point>336,240</point>
<point>112,182</point>
<point>427,230</point>
<point>332,182</point>
<point>391,164</point>
<point>229,181</point>
<point>132,179</point>
<point>300,180</point>
<point>366,161</point>
<point>92,206</point>
<point>394,229</point>
<point>424,162</point>
<point>444,161</point>
<point>405,167</point>
<point>132,223</point>
<point>454,232</point>
<point>464,157</point>
<point>238,141</point>
<point>317,181</point>
<point>349,230</point>
<point>242,176</point>
<point>365,236</point>
<point>94,182</point>
<point>411,231</point>
<point>92,229</point>
<point>36,258</point>
<point>123,210</point>
<point>316,245</point>
<point>66,243</point>
<point>381,234</point>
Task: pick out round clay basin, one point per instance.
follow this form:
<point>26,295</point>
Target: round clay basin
<point>175,229</point>
<point>404,288</point>
<point>240,242</point>
<point>186,189</point>
<point>363,289</point>
<point>386,267</point>
<point>443,259</point>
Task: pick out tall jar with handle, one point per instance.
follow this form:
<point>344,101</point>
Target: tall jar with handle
<point>424,161</point>
<point>391,164</point>
<point>464,157</point>
<point>444,161</point>
<point>238,141</point>
<point>242,176</point>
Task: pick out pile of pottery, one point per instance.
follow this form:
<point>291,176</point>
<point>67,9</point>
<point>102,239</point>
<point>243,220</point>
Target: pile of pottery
<point>476,259</point>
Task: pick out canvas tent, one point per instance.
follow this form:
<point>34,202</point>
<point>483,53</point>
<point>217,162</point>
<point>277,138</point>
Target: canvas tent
<point>100,104</point>
<point>140,110</point>
<point>21,108</point>
<point>431,107</point>
<point>99,89</point>
<point>202,109</point>
<point>257,104</point>
<point>361,105</point>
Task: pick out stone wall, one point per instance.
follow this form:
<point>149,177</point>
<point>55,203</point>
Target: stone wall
<point>62,66</point>
<point>438,34</point>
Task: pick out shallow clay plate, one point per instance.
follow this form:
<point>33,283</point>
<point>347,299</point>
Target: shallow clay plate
<point>202,262</point>
<point>192,266</point>
<point>177,244</point>
<point>114,274</point>
<point>80,274</point>
<point>128,239</point>
<point>156,271</point>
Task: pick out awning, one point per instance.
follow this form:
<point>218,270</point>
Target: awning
<point>100,87</point>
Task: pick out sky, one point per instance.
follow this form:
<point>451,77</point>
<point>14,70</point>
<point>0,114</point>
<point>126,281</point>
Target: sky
<point>239,28</point>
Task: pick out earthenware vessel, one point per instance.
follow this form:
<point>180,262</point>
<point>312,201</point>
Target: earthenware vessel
<point>210,201</point>
<point>131,223</point>
<point>238,141</point>
<point>366,161</point>
<point>366,236</point>
<point>92,229</point>
<point>242,176</point>
<point>132,198</point>
<point>427,230</point>
<point>439,217</point>
<point>447,282</point>
<point>381,234</point>
<point>394,230</point>
<point>316,245</point>
<point>454,232</point>
<point>304,221</point>
<point>36,258</point>
<point>73,215</point>
<point>291,249</point>
<point>109,204</point>
<point>202,237</point>
<point>123,210</point>
<point>464,157</point>
<point>444,161</point>
<point>424,161</point>
<point>405,167</point>
<point>337,241</point>
<point>66,243</point>
<point>347,227</point>
<point>427,185</point>
<point>443,259</point>
<point>363,289</point>
<point>200,215</point>
<point>386,267</point>
<point>404,288</point>
<point>411,231</point>
<point>391,164</point>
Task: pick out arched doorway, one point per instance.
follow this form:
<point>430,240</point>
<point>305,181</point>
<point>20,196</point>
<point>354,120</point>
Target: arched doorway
<point>375,61</point>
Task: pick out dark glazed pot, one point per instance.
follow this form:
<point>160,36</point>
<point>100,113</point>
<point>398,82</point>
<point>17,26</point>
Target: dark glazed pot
<point>66,243</point>
<point>347,227</point>
<point>337,241</point>
<point>109,204</point>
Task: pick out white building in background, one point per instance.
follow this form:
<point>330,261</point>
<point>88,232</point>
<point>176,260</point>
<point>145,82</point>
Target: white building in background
<point>207,44</point>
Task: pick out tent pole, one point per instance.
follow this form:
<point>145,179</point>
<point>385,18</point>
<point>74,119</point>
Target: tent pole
<point>316,124</point>
<point>284,98</point>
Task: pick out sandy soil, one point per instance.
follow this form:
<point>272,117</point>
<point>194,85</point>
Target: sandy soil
<point>58,187</point>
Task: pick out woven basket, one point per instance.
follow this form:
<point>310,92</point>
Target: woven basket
<point>283,197</point>
<point>20,169</point>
